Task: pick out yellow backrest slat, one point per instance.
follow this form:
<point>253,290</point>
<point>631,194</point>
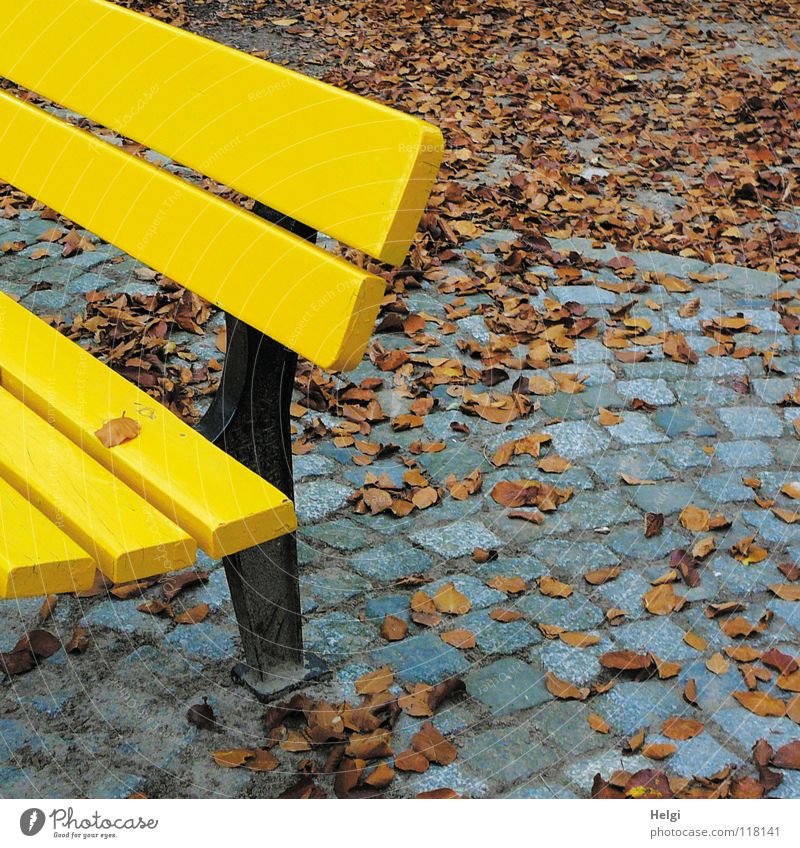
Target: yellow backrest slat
<point>128,538</point>
<point>356,170</point>
<point>307,299</point>
<point>223,505</point>
<point>36,558</point>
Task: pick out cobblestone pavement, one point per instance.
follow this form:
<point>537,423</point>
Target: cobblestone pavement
<point>112,721</point>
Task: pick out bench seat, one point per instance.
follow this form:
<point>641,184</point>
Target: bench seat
<point>139,508</point>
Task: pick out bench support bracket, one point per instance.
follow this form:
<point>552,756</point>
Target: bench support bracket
<point>249,419</point>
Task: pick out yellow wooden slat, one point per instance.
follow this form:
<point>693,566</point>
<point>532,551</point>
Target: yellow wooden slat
<point>36,558</point>
<point>354,169</point>
<point>299,295</point>
<point>127,537</point>
<point>219,502</point>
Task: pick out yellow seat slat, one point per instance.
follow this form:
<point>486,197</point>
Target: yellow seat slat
<point>223,505</point>
<point>298,294</point>
<point>36,558</point>
<point>354,169</point>
<point>127,537</point>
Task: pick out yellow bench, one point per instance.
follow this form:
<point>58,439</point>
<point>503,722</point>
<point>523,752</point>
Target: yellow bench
<point>355,170</point>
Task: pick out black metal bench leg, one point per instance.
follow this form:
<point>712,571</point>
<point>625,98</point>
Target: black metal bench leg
<point>250,420</point>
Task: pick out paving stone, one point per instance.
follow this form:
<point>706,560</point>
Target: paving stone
<point>315,501</point>
<point>342,534</point>
<point>726,487</point>
<point>679,421</point>
<point>636,428</point>
<point>576,665</point>
<point>456,459</point>
<point>629,706</point>
<point>204,641</point>
<point>574,439</point>
<point>526,567</point>
<point>744,454</point>
<point>495,637</point>
<point>685,455</point>
<point>790,786</point>
<point>505,756</point>
<point>632,543</point>
<point>634,462</point>
<point>507,685</point>
<point>713,690</point>
<point>666,498</point>
<point>654,633</point>
<point>585,295</point>
<point>337,635</point>
<point>769,527</point>
<point>772,390</point>
<point>572,556</point>
<point>573,613</point>
<point>719,366</point>
<point>424,658</point>
<point>587,510</point>
<point>331,586</point>
<point>702,756</point>
<point>123,617</point>
<point>742,729</point>
<point>625,592</point>
<point>312,465</point>
<point>538,789</point>
<point>397,605</point>
<point>582,772</point>
<point>456,540</point>
<point>391,560</point>
<point>750,421</point>
<point>655,391</point>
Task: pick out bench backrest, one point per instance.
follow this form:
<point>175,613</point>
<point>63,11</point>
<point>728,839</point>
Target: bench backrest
<point>353,169</point>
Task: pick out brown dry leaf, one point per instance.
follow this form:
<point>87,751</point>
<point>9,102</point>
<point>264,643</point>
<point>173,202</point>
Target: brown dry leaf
<point>117,431</point>
<point>786,591</point>
<point>509,585</point>
<point>789,682</point>
<point>773,658</point>
<point>626,660</point>
<point>667,670</point>
<point>450,601</point>
<point>760,703</point>
<point>442,794</point>
<point>793,709</point>
<point>380,777</point>
<point>79,642</point>
<point>630,480</point>
<point>430,742</point>
<point>690,692</point>
<point>608,418</point>
<point>411,761</point>
<point>717,664</point>
<point>743,653</point>
<point>422,602</point>
<point>792,490</point>
<point>370,746</point>
<point>695,641</point>
<point>393,628</point>
<point>659,750</point>
<point>375,681</point>
<point>681,728</point>
<point>635,742</point>
<point>174,584</point>
<point>653,524</point>
<point>233,758</point>
<point>578,640</point>
<point>695,519</point>
<point>703,547</point>
<point>47,607</point>
<point>262,760</point>
<point>564,690</point>
<point>747,552</point>
<point>554,588</point>
<point>504,616</point>
<point>661,600</point>
<point>462,639</point>
<point>597,723</point>
<point>554,464</point>
<point>193,615</point>
<point>601,575</point>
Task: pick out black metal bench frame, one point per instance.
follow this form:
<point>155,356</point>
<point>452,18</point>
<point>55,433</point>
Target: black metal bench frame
<point>249,419</point>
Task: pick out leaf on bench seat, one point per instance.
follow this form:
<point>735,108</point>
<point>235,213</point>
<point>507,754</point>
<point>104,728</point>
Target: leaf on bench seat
<point>117,431</point>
